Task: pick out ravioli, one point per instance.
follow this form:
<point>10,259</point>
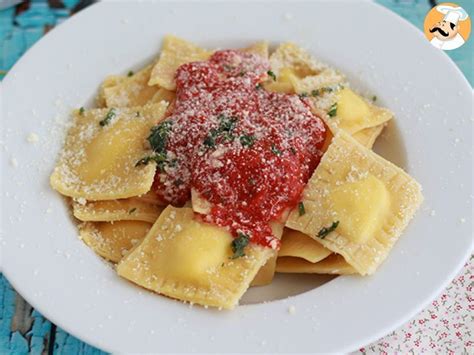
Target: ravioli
<point>368,136</point>
<point>113,240</point>
<point>354,113</point>
<point>299,245</point>
<point>98,161</point>
<point>368,200</point>
<point>174,53</point>
<point>130,209</point>
<point>163,95</point>
<point>283,83</point>
<point>131,91</point>
<point>110,81</point>
<point>296,68</point>
<point>184,258</point>
<point>266,273</point>
<point>300,62</point>
<point>333,264</point>
<point>259,48</point>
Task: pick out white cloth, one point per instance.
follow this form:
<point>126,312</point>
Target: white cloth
<point>453,43</point>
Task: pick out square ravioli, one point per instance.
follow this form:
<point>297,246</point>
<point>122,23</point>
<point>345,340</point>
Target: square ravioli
<point>298,72</point>
<point>184,258</point>
<point>299,245</point>
<point>357,204</point>
<point>342,108</point>
<point>98,161</point>
<point>112,240</point>
<point>174,53</point>
<point>333,264</point>
<point>368,136</point>
<point>266,273</point>
<point>128,209</point>
<point>259,48</point>
<point>130,91</point>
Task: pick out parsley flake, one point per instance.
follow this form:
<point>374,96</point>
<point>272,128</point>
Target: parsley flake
<point>301,209</point>
<point>158,137</point>
<point>321,91</point>
<point>109,117</point>
<point>224,131</point>
<point>210,140</point>
<point>333,110</point>
<point>374,98</point>
<point>247,140</point>
<point>259,86</point>
<point>132,210</point>
<point>159,158</point>
<point>238,245</point>
<point>130,73</point>
<point>272,75</point>
<point>326,230</point>
<point>81,111</point>
<point>275,150</point>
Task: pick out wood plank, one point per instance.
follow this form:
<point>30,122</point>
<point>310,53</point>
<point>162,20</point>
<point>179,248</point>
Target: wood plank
<point>22,330</point>
<point>65,343</point>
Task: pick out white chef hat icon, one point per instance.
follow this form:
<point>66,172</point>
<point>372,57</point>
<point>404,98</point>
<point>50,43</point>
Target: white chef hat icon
<point>452,14</point>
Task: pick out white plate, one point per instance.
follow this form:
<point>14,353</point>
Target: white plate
<point>381,53</point>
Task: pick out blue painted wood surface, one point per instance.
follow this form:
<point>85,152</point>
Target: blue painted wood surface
<point>24,330</point>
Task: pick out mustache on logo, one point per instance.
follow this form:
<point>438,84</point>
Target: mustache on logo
<point>444,34</point>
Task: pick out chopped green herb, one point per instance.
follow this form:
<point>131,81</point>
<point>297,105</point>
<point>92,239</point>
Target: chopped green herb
<point>272,75</point>
<point>333,110</point>
<point>210,141</point>
<point>109,117</point>
<point>242,73</point>
<point>159,136</point>
<point>321,91</point>
<point>158,139</point>
<point>130,73</point>
<point>301,209</point>
<point>238,245</point>
<point>326,230</point>
<point>247,140</point>
<point>303,94</point>
<point>132,210</point>
<point>259,86</point>
<point>81,111</point>
<point>227,123</point>
<point>226,126</point>
<point>374,98</point>
<point>293,151</point>
<point>275,150</point>
<point>159,158</point>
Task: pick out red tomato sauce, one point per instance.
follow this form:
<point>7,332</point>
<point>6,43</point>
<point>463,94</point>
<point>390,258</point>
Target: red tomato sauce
<point>247,151</point>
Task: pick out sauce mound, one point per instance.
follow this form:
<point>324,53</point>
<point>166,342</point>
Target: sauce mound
<point>247,151</point>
